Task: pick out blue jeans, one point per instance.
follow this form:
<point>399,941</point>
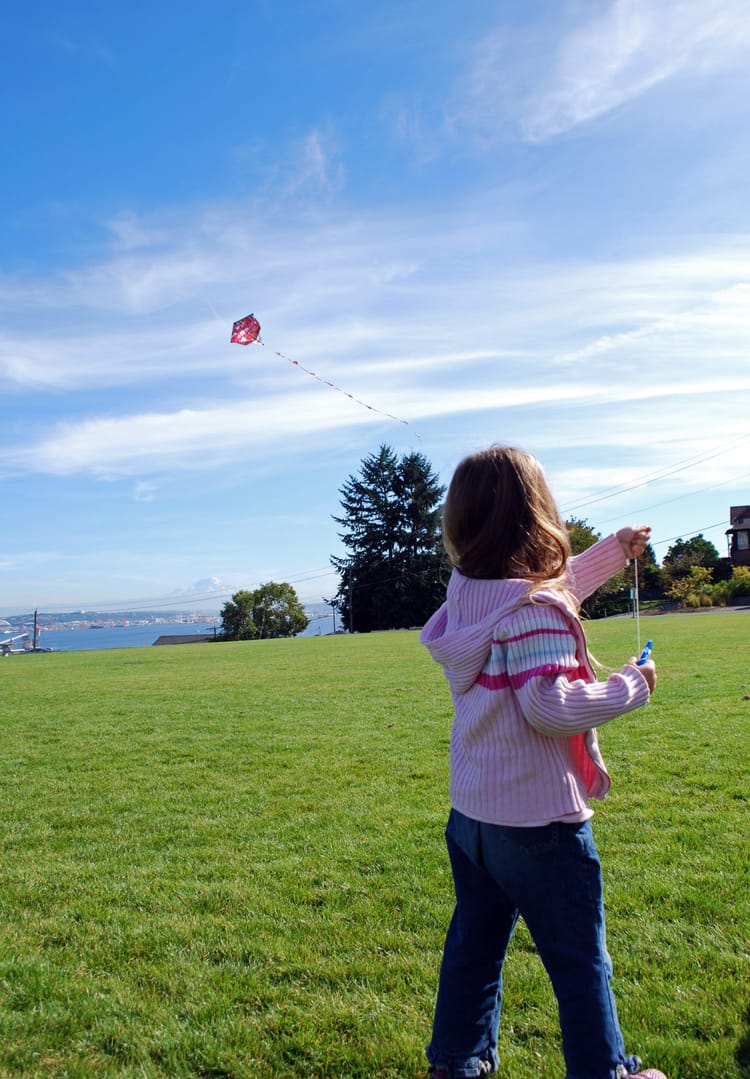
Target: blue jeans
<point>551,876</point>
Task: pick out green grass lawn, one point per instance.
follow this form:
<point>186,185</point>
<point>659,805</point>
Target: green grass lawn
<point>227,860</point>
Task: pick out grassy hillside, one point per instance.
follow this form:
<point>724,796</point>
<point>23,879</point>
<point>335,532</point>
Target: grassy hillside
<point>227,860</point>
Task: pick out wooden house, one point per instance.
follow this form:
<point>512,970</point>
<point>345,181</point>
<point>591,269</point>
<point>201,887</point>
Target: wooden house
<point>739,535</point>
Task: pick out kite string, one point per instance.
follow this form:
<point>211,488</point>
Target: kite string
<point>636,606</point>
<point>333,386</point>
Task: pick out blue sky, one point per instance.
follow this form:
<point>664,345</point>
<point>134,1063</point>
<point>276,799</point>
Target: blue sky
<point>524,222</point>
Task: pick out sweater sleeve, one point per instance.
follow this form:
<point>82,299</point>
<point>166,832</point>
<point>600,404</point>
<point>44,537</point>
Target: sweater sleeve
<point>589,570</point>
<point>548,679</point>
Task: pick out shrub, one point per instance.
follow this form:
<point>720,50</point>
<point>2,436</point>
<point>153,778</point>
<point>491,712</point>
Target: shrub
<point>721,593</point>
<point>694,589</point>
<point>740,582</point>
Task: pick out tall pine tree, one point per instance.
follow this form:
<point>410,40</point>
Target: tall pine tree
<point>394,573</point>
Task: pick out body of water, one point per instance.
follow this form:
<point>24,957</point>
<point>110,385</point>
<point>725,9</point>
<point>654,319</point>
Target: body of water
<point>86,640</point>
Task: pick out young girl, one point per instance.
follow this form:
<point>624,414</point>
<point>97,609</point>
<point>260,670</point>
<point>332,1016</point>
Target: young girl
<point>524,762</point>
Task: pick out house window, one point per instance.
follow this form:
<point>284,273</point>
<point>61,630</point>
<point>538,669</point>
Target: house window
<point>743,541</point>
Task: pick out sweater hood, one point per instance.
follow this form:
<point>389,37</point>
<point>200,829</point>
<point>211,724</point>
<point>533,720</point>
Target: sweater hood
<point>459,634</point>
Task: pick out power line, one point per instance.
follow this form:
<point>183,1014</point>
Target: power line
<point>181,601</point>
<point>686,494</point>
<point>673,539</point>
<point>660,474</point>
<point>170,601</point>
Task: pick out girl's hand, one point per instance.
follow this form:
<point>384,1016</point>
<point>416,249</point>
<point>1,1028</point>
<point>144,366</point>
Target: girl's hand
<point>634,540</point>
<point>648,670</point>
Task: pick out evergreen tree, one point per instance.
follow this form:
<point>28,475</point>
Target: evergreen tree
<point>393,575</point>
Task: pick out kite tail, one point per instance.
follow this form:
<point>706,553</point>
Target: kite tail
<point>333,386</point>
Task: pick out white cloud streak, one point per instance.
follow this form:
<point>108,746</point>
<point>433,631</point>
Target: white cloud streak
<point>201,439</point>
<point>558,74</point>
<point>385,319</point>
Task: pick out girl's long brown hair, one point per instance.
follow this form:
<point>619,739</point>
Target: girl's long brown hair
<point>500,519</point>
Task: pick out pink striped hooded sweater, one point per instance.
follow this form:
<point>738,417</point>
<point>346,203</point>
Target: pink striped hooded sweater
<point>524,748</point>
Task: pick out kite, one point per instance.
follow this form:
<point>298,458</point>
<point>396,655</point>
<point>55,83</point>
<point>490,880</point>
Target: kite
<point>246,331</point>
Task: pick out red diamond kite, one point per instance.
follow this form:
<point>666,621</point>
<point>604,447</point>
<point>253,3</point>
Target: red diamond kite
<point>245,331</point>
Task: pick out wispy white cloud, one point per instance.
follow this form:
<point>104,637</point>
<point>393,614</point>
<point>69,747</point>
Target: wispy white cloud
<point>586,297</point>
<point>629,49</point>
<point>188,439</point>
<point>556,74</point>
<point>130,232</point>
<point>313,164</point>
<point>415,125</point>
<point>724,316</point>
<point>25,560</point>
<point>196,440</point>
<point>386,318</point>
<point>144,491</point>
<point>346,295</point>
<point>82,48</point>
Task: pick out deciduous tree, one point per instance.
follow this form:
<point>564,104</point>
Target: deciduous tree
<point>237,618</point>
<point>684,554</point>
<point>272,610</point>
<point>614,594</point>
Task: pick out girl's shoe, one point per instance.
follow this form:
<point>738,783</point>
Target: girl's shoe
<point>649,1073</point>
<point>442,1073</point>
